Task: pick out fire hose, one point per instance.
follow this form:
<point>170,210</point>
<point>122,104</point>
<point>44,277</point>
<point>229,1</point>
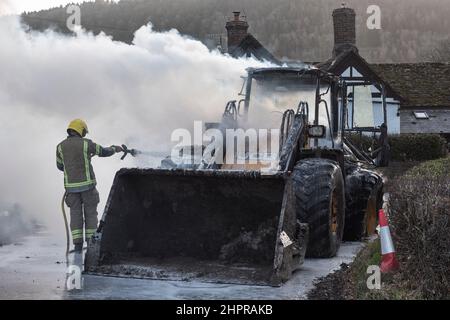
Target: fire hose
<point>67,227</point>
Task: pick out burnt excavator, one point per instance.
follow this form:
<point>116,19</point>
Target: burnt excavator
<point>247,222</point>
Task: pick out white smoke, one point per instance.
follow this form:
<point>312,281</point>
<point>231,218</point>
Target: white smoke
<point>134,94</point>
<point>6,7</point>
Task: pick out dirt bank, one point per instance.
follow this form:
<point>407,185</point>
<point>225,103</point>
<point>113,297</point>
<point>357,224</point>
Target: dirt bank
<point>349,282</point>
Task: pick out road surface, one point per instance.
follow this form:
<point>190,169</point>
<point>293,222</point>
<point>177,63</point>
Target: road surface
<point>36,269</point>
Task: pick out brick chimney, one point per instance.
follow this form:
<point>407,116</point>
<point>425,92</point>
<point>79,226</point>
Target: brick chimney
<point>237,30</point>
<point>344,30</point>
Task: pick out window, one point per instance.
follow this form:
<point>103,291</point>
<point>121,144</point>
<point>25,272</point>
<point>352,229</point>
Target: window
<point>421,115</point>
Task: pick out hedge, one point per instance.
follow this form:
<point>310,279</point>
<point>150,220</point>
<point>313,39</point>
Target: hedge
<point>408,147</point>
<point>417,147</point>
<point>421,221</point>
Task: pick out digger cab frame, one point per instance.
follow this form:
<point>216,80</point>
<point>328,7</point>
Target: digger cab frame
<point>337,109</point>
<point>323,84</point>
<point>318,95</point>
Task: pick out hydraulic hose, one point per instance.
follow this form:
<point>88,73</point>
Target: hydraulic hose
<point>63,209</point>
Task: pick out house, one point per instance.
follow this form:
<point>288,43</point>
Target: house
<point>240,43</point>
<point>425,88</point>
<point>417,96</point>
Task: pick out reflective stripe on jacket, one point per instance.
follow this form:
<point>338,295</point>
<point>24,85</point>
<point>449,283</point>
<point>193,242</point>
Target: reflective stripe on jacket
<point>73,156</point>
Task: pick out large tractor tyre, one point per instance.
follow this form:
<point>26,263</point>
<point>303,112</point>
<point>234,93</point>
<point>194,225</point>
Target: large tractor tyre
<point>320,202</point>
<point>364,197</point>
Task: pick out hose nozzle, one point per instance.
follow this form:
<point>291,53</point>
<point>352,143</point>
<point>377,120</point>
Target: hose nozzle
<point>126,151</point>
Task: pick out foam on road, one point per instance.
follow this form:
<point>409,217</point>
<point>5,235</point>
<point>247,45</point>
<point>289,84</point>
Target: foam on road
<point>36,269</point>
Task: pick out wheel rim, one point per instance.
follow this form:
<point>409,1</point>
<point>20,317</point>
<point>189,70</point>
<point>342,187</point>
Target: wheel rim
<point>334,212</point>
<point>371,217</point>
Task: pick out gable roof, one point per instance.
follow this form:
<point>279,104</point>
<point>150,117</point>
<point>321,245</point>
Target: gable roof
<point>414,84</point>
<point>420,84</point>
<point>334,64</point>
<point>351,58</point>
<point>250,46</point>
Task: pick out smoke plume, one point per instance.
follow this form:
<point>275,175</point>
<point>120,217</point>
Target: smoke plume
<point>5,7</point>
<point>133,94</point>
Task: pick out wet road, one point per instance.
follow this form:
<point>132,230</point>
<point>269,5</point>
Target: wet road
<point>36,269</point>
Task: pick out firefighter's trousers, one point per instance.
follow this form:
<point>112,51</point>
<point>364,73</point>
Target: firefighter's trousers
<point>83,213</point>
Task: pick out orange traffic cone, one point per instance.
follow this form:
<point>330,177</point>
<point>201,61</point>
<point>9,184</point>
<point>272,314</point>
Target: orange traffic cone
<point>388,260</point>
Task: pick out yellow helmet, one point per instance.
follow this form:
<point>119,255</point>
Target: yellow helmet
<point>78,126</point>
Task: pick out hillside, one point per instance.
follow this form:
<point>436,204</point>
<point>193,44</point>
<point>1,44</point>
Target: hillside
<point>296,29</point>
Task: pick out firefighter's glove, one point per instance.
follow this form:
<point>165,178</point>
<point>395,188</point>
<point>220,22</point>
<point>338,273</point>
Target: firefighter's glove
<point>117,149</point>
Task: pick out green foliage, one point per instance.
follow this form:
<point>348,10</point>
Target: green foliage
<point>417,147</point>
<point>439,167</point>
<point>406,147</point>
<point>371,255</point>
<point>375,257</point>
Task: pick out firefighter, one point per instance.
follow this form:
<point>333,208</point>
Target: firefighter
<point>73,157</point>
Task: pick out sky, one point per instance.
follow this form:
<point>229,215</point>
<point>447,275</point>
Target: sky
<point>19,6</point>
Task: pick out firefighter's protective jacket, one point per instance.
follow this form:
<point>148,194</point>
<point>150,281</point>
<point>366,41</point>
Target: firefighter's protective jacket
<point>73,156</point>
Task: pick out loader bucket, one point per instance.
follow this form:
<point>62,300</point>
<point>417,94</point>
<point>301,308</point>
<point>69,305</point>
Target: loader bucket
<point>212,226</point>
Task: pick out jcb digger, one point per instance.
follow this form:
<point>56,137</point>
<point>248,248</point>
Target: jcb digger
<point>247,222</point>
